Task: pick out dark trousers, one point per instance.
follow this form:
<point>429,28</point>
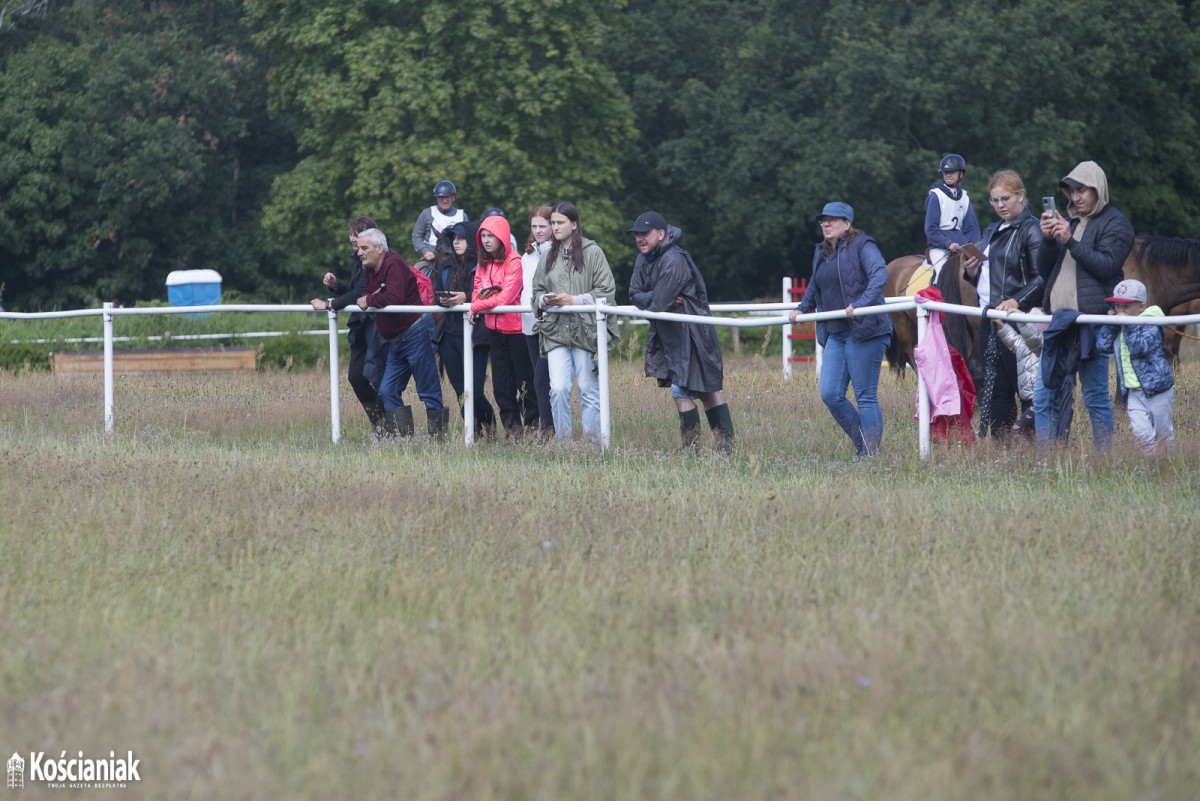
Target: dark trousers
<point>512,381</point>
<point>368,358</point>
<point>541,381</point>
<point>451,350</point>
<point>1002,403</point>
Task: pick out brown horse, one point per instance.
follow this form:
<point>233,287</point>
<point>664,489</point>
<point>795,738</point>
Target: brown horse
<point>1170,269</point>
<point>1173,334</point>
<point>960,330</point>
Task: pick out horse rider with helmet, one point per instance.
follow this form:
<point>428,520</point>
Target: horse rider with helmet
<point>432,221</point>
<point>950,220</point>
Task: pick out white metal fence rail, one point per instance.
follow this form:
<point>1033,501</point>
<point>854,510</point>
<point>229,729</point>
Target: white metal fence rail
<point>601,312</point>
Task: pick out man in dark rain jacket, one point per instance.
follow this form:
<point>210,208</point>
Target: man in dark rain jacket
<point>684,356</point>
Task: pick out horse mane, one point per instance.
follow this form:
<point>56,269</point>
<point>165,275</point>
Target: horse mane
<point>1164,249</point>
<point>958,335</point>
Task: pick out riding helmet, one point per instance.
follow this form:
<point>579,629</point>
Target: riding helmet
<point>952,162</point>
<point>444,189</point>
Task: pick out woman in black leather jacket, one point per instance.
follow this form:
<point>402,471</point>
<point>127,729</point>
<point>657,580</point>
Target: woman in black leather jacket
<point>1006,280</point>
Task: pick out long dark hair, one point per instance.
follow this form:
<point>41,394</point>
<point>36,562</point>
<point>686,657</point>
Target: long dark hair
<point>541,211</point>
<point>459,279</point>
<point>569,211</point>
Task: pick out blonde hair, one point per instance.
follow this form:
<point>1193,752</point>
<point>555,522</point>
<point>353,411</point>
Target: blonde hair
<point>1008,180</point>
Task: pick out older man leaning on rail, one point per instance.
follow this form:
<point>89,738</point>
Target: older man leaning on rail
<point>390,282</point>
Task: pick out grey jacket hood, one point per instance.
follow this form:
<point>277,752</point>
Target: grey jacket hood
<point>1088,173</point>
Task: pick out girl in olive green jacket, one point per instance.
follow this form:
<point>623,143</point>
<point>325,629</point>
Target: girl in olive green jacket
<point>572,272</point>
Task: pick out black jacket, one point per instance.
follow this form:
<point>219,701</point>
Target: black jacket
<point>1099,256</point>
<point>685,354</point>
<point>1012,262</point>
<point>348,294</point>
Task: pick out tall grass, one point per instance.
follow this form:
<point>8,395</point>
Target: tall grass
<point>258,613</point>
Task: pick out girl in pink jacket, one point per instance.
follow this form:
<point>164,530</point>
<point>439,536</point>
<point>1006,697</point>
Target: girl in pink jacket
<point>498,283</point>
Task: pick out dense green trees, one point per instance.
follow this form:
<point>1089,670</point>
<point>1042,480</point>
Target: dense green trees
<point>134,140</point>
<point>135,136</point>
<point>791,103</point>
<point>506,98</point>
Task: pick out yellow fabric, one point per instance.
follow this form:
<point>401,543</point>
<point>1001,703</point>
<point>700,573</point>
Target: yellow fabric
<point>922,278</point>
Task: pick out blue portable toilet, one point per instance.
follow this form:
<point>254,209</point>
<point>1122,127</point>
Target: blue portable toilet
<point>194,287</point>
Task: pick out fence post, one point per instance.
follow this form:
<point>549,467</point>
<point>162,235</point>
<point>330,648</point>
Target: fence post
<point>108,368</point>
<point>602,365</point>
<point>468,397</point>
<point>335,393</point>
<point>787,332</point>
<point>922,390</point>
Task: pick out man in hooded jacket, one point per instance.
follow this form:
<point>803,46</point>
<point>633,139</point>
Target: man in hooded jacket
<point>1081,260</point>
<point>683,356</point>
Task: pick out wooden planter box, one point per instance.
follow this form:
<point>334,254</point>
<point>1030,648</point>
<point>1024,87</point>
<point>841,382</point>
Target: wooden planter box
<point>155,361</point>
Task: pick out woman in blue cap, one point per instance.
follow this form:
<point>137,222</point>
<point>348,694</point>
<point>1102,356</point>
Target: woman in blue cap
<point>849,273</point>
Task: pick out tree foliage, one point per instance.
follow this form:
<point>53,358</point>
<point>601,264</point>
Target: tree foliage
<point>857,101</point>
<point>134,140</point>
<point>506,98</point>
<point>138,136</point>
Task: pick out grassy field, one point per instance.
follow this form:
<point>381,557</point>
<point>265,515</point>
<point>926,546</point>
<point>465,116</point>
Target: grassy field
<point>260,614</point>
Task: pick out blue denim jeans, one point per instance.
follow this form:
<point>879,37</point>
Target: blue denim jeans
<point>412,357</point>
<point>1093,385</point>
<point>569,365</point>
<point>847,362</point>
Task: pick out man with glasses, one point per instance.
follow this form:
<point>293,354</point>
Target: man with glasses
<point>1081,260</point>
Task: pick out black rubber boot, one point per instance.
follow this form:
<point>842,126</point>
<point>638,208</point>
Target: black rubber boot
<point>404,421</point>
<point>391,424</point>
<point>689,428</point>
<point>721,424</point>
<point>374,411</point>
<point>437,420</point>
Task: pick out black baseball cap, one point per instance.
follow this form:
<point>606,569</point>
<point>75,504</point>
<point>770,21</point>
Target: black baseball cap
<point>649,221</point>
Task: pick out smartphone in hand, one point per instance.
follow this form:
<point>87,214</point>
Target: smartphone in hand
<point>1048,206</point>
<point>488,291</point>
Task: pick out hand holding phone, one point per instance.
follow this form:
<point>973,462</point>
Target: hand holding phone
<point>1048,206</point>
<point>488,291</point>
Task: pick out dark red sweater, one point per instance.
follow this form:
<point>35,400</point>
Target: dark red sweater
<point>393,284</point>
